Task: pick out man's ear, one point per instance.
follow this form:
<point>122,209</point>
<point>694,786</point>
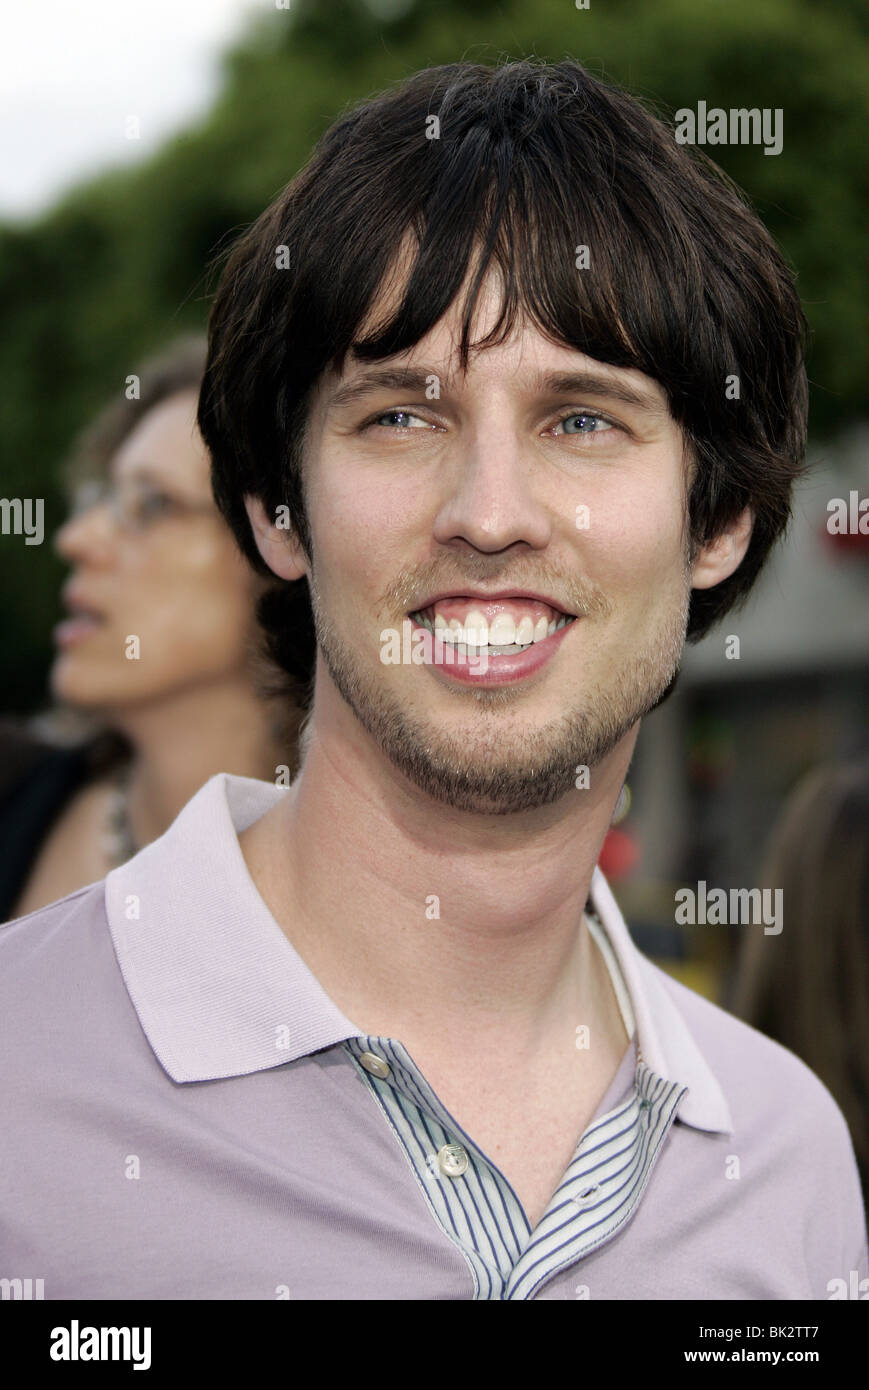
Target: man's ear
<point>717,560</point>
<point>278,546</point>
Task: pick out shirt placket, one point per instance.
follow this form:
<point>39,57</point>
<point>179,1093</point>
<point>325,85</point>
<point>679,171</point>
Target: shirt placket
<point>475,1204</point>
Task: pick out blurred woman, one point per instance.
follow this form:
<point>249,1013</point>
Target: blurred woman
<point>808,988</point>
<point>159,677</point>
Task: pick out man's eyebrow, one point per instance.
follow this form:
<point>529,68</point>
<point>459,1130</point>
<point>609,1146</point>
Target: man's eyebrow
<point>590,383</point>
<point>381,379</point>
<point>576,384</point>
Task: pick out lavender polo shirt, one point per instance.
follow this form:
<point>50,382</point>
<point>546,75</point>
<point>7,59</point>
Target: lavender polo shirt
<point>186,1114</point>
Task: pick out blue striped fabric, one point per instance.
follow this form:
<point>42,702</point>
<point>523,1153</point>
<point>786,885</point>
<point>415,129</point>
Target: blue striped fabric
<point>478,1209</point>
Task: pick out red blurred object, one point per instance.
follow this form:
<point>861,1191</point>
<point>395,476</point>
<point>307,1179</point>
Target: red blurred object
<point>620,854</point>
<point>846,542</point>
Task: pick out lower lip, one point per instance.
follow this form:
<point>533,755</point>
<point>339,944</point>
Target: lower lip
<point>500,670</point>
<point>73,630</point>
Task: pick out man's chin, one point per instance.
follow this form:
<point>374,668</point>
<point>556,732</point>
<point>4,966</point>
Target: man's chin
<point>501,765</point>
<point>497,770</point>
<point>483,788</point>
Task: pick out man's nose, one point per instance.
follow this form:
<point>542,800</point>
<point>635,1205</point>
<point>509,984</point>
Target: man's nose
<point>494,501</point>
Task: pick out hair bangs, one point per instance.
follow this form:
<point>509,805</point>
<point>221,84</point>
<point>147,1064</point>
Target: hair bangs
<point>596,274</point>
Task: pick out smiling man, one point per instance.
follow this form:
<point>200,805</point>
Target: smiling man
<point>507,368</point>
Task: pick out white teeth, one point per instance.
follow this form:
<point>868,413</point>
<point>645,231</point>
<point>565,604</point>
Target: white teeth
<point>505,635</point>
<point>477,629</point>
<point>525,631</point>
<point>502,633</point>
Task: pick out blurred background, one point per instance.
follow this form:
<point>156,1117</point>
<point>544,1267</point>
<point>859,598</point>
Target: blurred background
<point>139,141</point>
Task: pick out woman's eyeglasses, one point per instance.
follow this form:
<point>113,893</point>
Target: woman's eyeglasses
<point>135,506</point>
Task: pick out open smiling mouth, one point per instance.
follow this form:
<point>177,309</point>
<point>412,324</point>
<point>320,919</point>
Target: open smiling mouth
<point>509,631</point>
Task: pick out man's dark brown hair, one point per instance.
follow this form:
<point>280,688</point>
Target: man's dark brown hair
<point>530,161</point>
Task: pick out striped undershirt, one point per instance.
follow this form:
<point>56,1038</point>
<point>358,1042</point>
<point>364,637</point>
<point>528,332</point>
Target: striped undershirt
<point>477,1207</point>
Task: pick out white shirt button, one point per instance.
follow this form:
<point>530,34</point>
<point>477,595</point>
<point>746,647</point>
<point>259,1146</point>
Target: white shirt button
<point>374,1064</point>
<point>452,1160</point>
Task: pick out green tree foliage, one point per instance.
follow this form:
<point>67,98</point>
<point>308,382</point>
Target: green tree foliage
<point>119,266</point>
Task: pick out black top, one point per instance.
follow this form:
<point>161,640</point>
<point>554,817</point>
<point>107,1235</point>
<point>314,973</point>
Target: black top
<point>37,780</point>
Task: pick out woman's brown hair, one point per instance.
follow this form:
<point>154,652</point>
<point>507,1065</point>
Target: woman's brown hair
<point>808,987</point>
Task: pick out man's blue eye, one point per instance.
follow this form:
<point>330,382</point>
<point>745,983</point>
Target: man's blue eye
<point>402,416</point>
<point>584,421</point>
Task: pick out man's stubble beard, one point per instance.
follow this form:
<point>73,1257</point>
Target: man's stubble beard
<point>470,771</point>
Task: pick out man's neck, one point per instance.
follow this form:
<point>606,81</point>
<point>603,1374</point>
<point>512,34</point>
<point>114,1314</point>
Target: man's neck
<point>421,921</point>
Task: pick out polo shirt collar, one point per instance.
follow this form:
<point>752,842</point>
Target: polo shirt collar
<point>665,1040</point>
<point>219,990</point>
